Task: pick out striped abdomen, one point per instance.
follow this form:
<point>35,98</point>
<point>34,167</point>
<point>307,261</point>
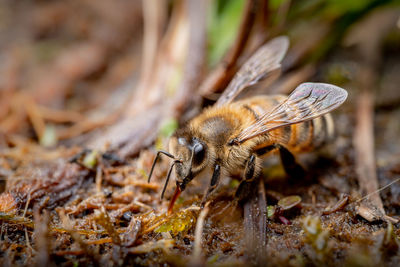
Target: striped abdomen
<point>300,137</point>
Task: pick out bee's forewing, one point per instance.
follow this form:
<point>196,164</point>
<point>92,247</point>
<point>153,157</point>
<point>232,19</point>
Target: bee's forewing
<point>259,66</point>
<point>306,102</point>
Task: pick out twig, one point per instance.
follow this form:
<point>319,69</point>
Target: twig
<point>10,218</point>
<point>196,58</point>
<point>28,243</point>
<point>261,30</point>
<point>255,222</point>
<point>196,256</point>
<point>168,63</point>
<point>2,230</point>
<point>363,140</point>
<point>34,116</point>
<point>154,16</point>
<point>59,116</point>
<point>99,241</point>
<point>27,204</point>
<point>219,78</point>
<point>344,199</point>
<point>262,218</point>
<point>154,226</point>
<point>244,33</point>
<point>146,185</point>
<point>85,126</point>
<point>99,178</point>
<point>70,252</point>
<point>163,244</point>
<point>42,238</point>
<point>281,14</point>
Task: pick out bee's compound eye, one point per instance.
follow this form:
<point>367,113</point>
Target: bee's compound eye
<point>199,153</point>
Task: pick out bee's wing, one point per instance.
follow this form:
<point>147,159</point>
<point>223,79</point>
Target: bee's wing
<point>306,102</point>
<point>260,65</point>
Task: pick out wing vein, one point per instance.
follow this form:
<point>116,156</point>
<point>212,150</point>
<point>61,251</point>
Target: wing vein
<point>308,101</point>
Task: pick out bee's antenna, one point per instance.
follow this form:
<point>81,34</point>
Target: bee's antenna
<point>168,176</point>
<point>155,161</point>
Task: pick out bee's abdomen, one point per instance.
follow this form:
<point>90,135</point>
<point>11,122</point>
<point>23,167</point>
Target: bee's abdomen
<point>300,137</point>
<point>310,134</point>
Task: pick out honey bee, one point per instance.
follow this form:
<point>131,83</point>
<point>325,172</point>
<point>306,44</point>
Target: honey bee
<point>231,137</point>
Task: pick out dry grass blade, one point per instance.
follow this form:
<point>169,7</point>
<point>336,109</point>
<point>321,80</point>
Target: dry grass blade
<point>363,140</point>
<point>60,116</point>
<point>35,116</point>
<point>197,255</point>
<point>42,238</point>
<point>344,199</point>
<point>99,178</point>
<point>162,244</point>
<point>12,219</point>
<point>99,241</point>
<point>255,223</point>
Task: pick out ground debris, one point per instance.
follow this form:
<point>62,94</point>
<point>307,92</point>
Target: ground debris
<point>344,199</point>
<point>163,245</point>
<point>371,213</point>
<point>129,237</point>
<point>317,236</point>
<point>43,184</point>
<point>175,223</point>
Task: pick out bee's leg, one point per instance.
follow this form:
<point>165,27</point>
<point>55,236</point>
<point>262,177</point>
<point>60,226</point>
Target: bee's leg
<point>244,189</point>
<point>213,184</point>
<point>291,166</point>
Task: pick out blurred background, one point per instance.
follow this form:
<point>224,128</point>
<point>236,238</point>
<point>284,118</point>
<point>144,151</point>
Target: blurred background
<point>70,67</point>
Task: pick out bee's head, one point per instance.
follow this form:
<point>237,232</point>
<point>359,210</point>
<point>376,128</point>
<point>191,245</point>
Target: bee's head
<point>191,155</point>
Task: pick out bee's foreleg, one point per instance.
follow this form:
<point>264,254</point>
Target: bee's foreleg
<point>291,166</point>
<point>213,184</point>
<point>244,189</point>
